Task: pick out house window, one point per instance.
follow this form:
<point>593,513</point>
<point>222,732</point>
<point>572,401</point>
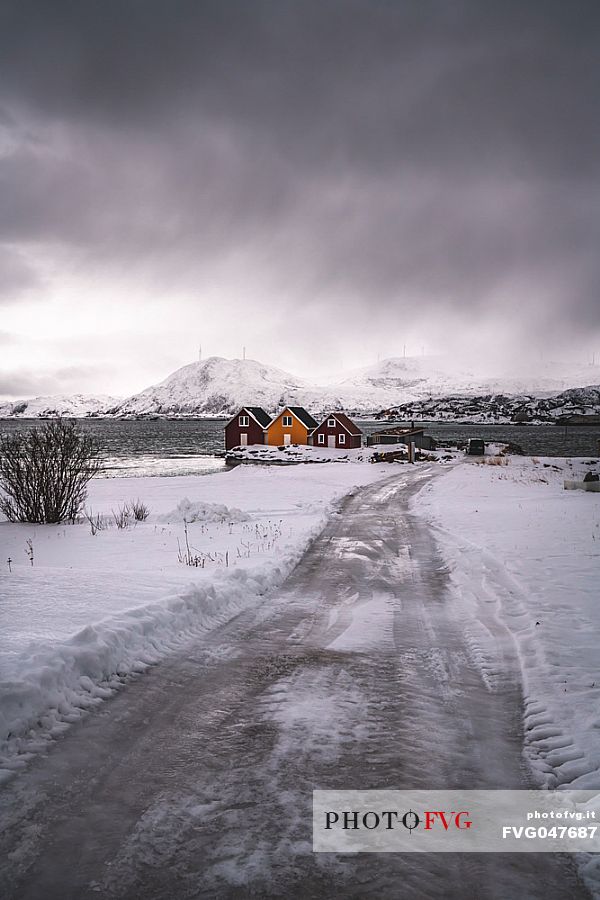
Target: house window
<point>287,421</point>
<point>244,421</point>
<point>342,438</point>
<point>331,423</point>
<point>321,438</point>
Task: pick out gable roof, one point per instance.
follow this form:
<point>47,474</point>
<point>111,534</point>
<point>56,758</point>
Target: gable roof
<point>301,414</point>
<point>344,421</point>
<point>257,412</point>
<point>304,416</point>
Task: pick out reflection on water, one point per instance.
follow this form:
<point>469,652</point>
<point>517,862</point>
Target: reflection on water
<point>195,446</point>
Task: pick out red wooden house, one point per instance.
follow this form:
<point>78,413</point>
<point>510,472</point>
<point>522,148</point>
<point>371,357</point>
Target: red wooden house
<point>338,431</point>
<point>246,427</point>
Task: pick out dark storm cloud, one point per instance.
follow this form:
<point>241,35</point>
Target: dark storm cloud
<point>379,154</point>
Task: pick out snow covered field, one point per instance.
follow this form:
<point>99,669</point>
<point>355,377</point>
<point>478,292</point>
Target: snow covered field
<point>526,553</point>
<point>523,556</point>
<point>93,608</point>
<point>521,547</point>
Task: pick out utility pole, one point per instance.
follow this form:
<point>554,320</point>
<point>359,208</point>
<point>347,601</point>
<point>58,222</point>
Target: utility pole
<point>404,352</point>
<point>200,353</point>
<point>243,353</point>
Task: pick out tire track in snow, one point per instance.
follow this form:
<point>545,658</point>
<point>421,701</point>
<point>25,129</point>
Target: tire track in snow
<point>355,674</point>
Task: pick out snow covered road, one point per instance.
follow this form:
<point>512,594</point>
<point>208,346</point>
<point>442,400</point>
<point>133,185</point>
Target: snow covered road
<point>197,780</point>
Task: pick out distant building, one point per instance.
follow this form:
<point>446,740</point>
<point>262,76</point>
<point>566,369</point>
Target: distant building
<point>246,427</point>
<point>338,431</point>
<point>401,434</point>
<point>476,447</point>
<point>292,426</point>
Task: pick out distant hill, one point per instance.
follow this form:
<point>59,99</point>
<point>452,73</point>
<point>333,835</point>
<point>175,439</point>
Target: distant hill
<point>576,403</point>
<point>419,378</point>
<point>218,387</point>
<point>77,406</point>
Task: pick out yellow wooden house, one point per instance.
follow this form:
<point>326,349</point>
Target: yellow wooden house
<point>293,425</point>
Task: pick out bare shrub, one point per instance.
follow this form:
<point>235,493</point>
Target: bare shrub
<point>122,516</point>
<point>97,522</point>
<point>139,510</point>
<point>45,471</point>
<point>29,550</point>
<point>197,558</point>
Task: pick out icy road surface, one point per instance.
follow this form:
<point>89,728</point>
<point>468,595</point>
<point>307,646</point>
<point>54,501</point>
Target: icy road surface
<point>197,779</point>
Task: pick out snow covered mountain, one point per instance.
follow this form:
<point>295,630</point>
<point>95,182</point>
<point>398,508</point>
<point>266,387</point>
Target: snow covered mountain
<point>424,377</point>
<point>217,387</point>
<point>375,387</point>
<point>77,406</point>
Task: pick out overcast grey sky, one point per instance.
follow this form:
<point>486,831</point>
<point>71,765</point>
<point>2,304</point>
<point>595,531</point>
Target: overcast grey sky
<point>319,181</point>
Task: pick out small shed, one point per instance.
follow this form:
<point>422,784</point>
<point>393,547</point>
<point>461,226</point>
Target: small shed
<point>402,434</point>
<point>293,425</point>
<point>475,447</point>
<point>337,430</point>
<point>246,427</point>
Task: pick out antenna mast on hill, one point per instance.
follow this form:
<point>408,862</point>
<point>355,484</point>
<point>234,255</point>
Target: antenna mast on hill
<point>200,353</point>
<point>243,353</point>
<point>404,352</point>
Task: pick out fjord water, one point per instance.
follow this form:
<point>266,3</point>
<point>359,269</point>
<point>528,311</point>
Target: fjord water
<point>534,440</point>
<point>196,446</point>
<point>149,447</point>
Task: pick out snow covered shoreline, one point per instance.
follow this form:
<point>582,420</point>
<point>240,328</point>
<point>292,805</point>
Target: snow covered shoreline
<point>93,609</point>
<point>302,454</point>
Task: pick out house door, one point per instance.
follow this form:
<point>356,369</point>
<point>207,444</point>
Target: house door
<point>243,439</point>
<point>287,439</point>
<point>331,440</point>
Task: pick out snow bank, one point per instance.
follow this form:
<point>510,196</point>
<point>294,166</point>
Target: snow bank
<point>524,557</point>
<point>53,684</point>
<point>95,608</point>
<point>525,550</point>
<point>186,511</point>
